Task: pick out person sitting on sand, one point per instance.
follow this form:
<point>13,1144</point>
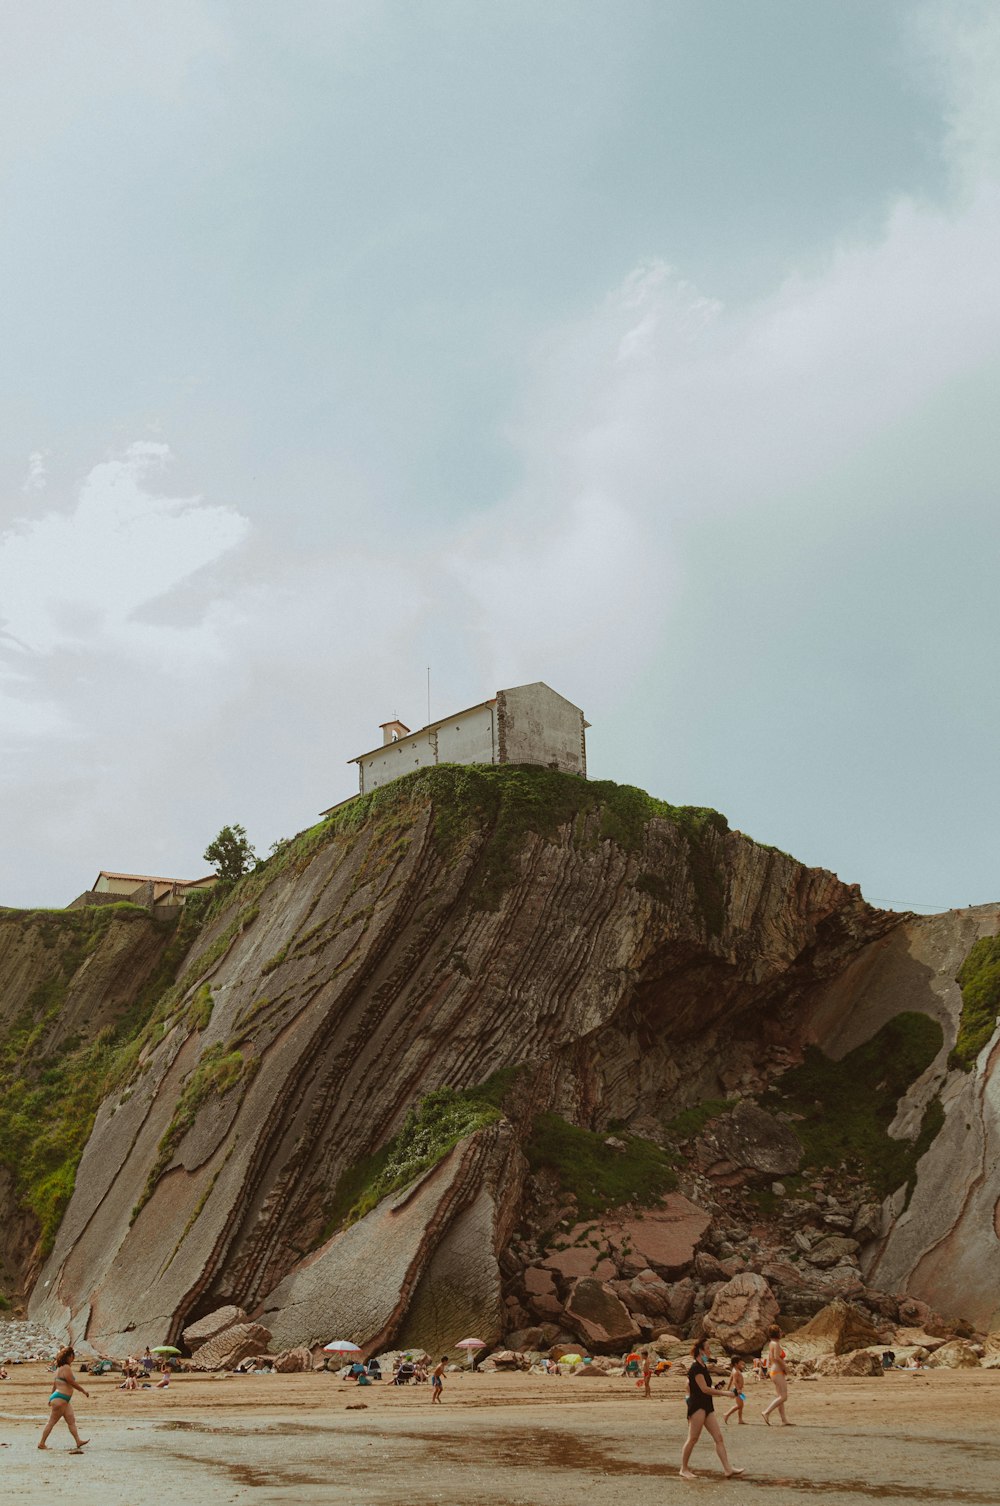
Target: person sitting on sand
<point>164,1381</point>
<point>777,1370</point>
<point>61,1399</point>
<point>701,1412</point>
<point>736,1384</point>
<point>437,1380</point>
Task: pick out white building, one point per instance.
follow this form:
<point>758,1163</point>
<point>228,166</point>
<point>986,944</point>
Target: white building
<point>526,724</point>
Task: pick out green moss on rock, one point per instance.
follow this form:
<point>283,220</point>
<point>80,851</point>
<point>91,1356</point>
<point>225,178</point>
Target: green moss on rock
<point>598,1175</point>
<point>979,980</point>
<point>842,1109</point>
<point>438,1122</point>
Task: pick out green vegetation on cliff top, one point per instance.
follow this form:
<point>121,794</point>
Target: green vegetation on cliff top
<point>979,980</point>
<point>510,803</point>
<point>841,1110</point>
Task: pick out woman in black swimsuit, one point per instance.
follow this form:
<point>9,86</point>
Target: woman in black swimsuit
<point>701,1412</point>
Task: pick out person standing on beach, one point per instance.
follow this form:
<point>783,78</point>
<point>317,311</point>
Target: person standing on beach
<point>647,1371</point>
<point>701,1413</point>
<point>777,1370</point>
<point>61,1400</point>
<point>437,1380</point>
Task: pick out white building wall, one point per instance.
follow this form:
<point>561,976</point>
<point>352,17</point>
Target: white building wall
<point>385,764</point>
<point>469,738</point>
<point>539,726</point>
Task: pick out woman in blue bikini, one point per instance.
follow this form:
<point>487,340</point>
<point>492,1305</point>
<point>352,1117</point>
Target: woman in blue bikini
<point>61,1400</point>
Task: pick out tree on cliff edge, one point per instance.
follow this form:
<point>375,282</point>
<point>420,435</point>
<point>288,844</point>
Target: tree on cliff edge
<point>230,854</point>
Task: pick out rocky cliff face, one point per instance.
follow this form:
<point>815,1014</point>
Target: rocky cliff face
<point>410,1062</point>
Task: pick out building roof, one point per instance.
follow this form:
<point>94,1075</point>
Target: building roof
<point>150,878</point>
<point>431,727</point>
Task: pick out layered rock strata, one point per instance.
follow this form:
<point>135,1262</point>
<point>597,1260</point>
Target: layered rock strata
<point>631,963</point>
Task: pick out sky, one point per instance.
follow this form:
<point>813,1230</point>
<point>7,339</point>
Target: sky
<point>650,348</point>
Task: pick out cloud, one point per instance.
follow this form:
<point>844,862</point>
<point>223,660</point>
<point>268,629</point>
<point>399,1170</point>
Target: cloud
<point>36,478</point>
<point>77,581</point>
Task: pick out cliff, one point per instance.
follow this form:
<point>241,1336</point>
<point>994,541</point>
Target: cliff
<point>404,1063</point>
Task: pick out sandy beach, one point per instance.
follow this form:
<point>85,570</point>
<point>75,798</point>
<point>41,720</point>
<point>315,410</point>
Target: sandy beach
<point>512,1440</point>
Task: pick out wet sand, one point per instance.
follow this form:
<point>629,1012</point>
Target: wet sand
<point>509,1440</point>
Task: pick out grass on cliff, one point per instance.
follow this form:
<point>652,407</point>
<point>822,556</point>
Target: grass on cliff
<point>597,1175</point>
<point>49,1096</point>
<point>509,803</point>
<point>979,980</point>
<point>846,1107</point>
<point>431,1129</point>
<point>219,1070</point>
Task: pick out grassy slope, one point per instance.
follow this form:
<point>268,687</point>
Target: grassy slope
<point>979,979</point>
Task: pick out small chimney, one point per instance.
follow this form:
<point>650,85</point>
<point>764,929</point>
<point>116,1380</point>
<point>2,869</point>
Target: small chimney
<point>393,731</point>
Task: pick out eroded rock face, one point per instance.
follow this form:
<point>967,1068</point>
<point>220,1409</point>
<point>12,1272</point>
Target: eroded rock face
<point>741,1313</point>
<point>634,968</point>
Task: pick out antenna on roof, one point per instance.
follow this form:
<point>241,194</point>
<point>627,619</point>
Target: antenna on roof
<point>428,695</point>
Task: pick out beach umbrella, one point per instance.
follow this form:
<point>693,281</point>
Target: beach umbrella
<point>471,1345</point>
<point>164,1349</point>
<point>341,1346</point>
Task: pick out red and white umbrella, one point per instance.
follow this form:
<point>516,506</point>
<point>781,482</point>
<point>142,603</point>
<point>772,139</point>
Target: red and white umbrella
<point>471,1345</point>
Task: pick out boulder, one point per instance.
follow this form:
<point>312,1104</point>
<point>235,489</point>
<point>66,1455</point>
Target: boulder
<point>832,1250</point>
<point>838,1328</point>
<point>206,1328</point>
<point>857,1362</point>
<point>905,1337</point>
<point>665,1238</point>
<point>741,1313</point>
<point>957,1354</point>
<point>537,1338</point>
<point>228,1348</point>
<point>755,1139</point>
<point>708,1268</point>
<point>680,1302</point>
<point>576,1261</point>
<point>599,1317</point>
<point>510,1359</point>
<point>651,1297</point>
<point>916,1314</point>
<point>293,1360</point>
<point>539,1282</point>
<point>991,1352</point>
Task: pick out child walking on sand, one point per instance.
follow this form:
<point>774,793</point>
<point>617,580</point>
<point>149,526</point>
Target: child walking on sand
<point>736,1384</point>
<point>437,1380</point>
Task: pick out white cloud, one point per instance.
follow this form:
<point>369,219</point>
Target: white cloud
<point>36,478</point>
<point>77,581</point>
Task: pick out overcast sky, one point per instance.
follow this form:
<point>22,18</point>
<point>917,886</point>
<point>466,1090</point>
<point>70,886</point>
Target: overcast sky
<point>647,347</point>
